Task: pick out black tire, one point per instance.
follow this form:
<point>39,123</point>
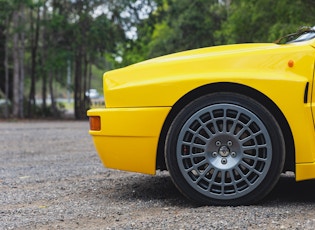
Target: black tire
<point>224,149</point>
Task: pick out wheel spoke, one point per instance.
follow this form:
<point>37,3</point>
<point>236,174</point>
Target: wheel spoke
<point>206,129</point>
<point>202,175</point>
<point>224,121</point>
<point>256,146</point>
<point>200,146</point>
<point>234,123</point>
<point>194,155</point>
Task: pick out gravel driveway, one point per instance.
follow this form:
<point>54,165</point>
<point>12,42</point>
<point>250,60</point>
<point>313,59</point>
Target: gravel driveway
<point>52,178</point>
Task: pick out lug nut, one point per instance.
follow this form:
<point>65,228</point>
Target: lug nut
<point>229,143</point>
<point>214,154</point>
<point>218,143</point>
<point>224,161</point>
<point>233,154</point>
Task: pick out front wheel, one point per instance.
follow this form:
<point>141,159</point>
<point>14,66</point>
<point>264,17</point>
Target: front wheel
<point>225,149</point>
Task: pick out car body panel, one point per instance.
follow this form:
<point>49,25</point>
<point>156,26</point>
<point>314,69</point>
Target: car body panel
<point>129,137</point>
<point>191,69</point>
<point>283,73</point>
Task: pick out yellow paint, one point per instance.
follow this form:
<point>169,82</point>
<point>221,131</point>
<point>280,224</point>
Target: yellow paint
<point>129,136</point>
<point>139,97</point>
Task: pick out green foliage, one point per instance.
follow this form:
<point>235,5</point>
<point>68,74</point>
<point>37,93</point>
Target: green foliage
<point>76,31</point>
<point>188,25</point>
<point>178,25</point>
<point>196,21</point>
<point>265,20</point>
<point>5,8</point>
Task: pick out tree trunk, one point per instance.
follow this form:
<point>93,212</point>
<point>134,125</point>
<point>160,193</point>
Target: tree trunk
<point>86,102</point>
<point>6,69</point>
<point>16,65</point>
<point>90,76</point>
<point>32,100</point>
<point>78,86</point>
<point>21,57</point>
<point>42,61</point>
<point>52,95</point>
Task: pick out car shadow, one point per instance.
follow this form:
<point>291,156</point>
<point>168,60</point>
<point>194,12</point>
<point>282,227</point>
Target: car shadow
<point>148,188</point>
<point>288,190</point>
<point>160,188</point>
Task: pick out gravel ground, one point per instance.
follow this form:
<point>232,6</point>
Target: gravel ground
<point>52,178</point>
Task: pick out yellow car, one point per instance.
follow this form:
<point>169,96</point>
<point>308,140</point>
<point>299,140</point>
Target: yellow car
<point>225,121</point>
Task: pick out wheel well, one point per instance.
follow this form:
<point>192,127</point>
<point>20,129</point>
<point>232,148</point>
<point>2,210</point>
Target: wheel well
<point>236,88</point>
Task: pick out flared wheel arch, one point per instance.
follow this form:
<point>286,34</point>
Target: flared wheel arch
<point>232,88</point>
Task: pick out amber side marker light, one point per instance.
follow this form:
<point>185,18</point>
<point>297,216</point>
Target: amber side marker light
<point>95,123</point>
<point>290,63</point>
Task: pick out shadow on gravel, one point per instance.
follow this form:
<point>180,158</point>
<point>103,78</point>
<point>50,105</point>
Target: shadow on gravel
<point>161,188</point>
<point>146,188</point>
<point>143,188</point>
<point>289,191</point>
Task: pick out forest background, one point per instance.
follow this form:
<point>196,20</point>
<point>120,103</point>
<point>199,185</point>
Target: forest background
<point>60,48</point>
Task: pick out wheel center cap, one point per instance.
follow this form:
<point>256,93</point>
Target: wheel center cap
<point>224,151</point>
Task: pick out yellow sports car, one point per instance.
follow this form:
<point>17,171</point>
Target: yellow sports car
<point>225,121</point>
